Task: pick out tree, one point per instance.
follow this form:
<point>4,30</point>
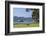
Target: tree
<point>35,14</point>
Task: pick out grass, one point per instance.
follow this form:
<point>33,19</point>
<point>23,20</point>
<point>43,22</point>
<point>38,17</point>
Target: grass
<point>20,25</point>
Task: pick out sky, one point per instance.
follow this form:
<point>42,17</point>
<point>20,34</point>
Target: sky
<point>21,12</point>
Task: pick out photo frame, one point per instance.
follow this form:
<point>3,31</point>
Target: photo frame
<point>24,17</point>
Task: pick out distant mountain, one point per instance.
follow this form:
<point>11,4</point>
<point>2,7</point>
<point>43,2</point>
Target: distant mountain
<point>22,19</point>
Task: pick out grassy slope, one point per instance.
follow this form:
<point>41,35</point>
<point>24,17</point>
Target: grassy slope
<point>20,25</point>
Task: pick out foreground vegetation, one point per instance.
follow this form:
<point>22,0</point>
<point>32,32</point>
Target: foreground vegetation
<point>21,25</point>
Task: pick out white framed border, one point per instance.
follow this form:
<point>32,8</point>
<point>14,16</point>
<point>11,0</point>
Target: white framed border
<point>25,29</point>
